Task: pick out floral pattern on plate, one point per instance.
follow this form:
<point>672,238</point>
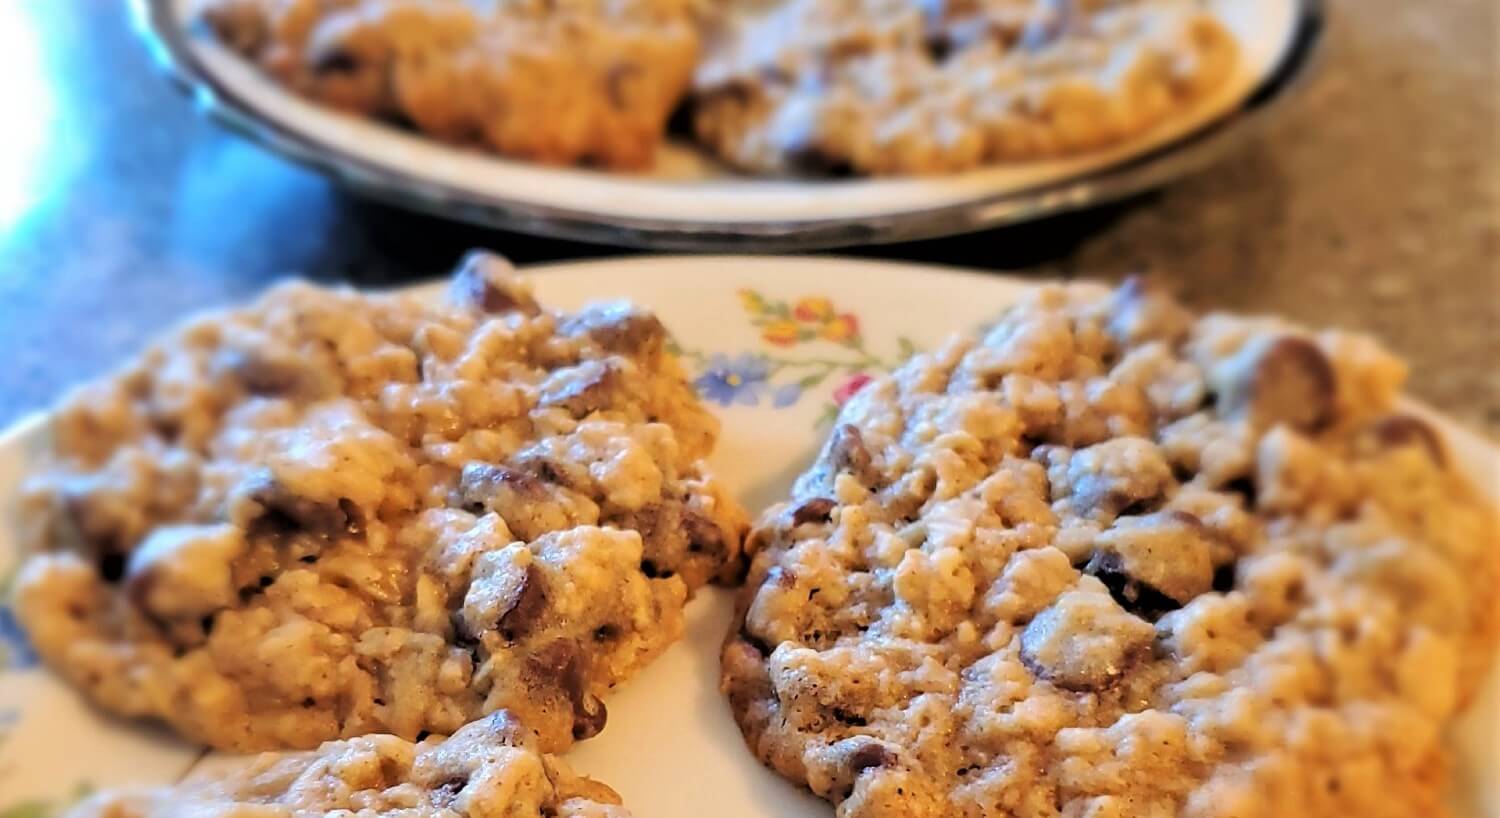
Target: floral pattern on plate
<point>810,325</point>
<point>15,650</point>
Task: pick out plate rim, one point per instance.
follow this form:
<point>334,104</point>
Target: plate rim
<point>166,38</point>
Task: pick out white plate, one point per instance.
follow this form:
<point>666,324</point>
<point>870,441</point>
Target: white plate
<point>688,201</point>
<point>671,748</point>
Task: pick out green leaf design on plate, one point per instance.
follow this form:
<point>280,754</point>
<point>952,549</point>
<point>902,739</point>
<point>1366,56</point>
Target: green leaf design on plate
<point>47,809</point>
<point>829,415</point>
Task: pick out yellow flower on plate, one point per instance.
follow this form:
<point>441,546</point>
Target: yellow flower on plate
<point>840,328</point>
<point>751,301</point>
<point>781,332</point>
<point>813,308</point>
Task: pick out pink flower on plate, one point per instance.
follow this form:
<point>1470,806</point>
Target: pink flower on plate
<point>846,390</point>
<point>841,329</point>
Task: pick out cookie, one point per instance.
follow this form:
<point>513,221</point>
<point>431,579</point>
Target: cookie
<point>561,82</point>
<point>1111,559</point>
<point>332,514</point>
<point>898,87</point>
<point>490,767</point>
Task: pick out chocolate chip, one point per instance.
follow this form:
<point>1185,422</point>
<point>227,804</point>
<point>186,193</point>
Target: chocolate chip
<point>500,727</point>
<point>1141,310</point>
<point>583,389</point>
<point>759,645</point>
<point>564,665</point>
<point>487,282</point>
<point>285,512</point>
<point>589,717</point>
<point>1084,641</point>
<point>851,719</point>
<point>606,633</point>
<point>259,373</point>
<point>1245,487</point>
<point>815,160</point>
<point>1144,505</point>
<point>335,61</point>
<point>621,328</point>
<point>816,510</point>
<point>483,486</point>
<point>444,793</point>
<point>1138,597</point>
<point>111,567</point>
<point>781,577</point>
<point>241,27</point>
<point>1154,563</point>
<point>615,79</point>
<point>168,429</point>
<point>868,756</point>
<point>526,604</point>
<point>704,535</point>
<point>939,46</point>
<point>773,75</point>
<point>848,453</point>
<point>86,519</point>
<point>1281,379</point>
<point>654,571</point>
<point>1399,431</point>
<point>555,472</point>
<point>1224,578</point>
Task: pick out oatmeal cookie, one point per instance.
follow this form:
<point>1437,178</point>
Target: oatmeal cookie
<point>561,81</point>
<point>489,768</point>
<point>332,514</point>
<point>1114,560</point>
<point>897,86</point>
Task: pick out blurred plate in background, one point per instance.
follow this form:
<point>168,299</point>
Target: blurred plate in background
<point>687,201</point>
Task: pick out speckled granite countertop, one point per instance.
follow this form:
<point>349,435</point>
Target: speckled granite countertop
<point>1374,204</point>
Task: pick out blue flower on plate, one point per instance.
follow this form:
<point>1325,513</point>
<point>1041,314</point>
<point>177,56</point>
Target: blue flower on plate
<point>729,381</point>
<point>787,395</point>
<point>16,652</point>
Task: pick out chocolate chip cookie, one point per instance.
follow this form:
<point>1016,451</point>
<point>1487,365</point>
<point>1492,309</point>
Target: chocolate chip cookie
<point>1112,559</point>
<point>562,81</point>
<point>490,767</point>
<point>890,86</point>
<point>333,514</point>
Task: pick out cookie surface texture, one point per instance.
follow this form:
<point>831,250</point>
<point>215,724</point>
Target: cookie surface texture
<point>489,768</point>
<point>1111,559</point>
<point>332,514</point>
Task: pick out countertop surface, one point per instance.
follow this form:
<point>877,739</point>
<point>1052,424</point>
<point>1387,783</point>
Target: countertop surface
<point>1372,204</point>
